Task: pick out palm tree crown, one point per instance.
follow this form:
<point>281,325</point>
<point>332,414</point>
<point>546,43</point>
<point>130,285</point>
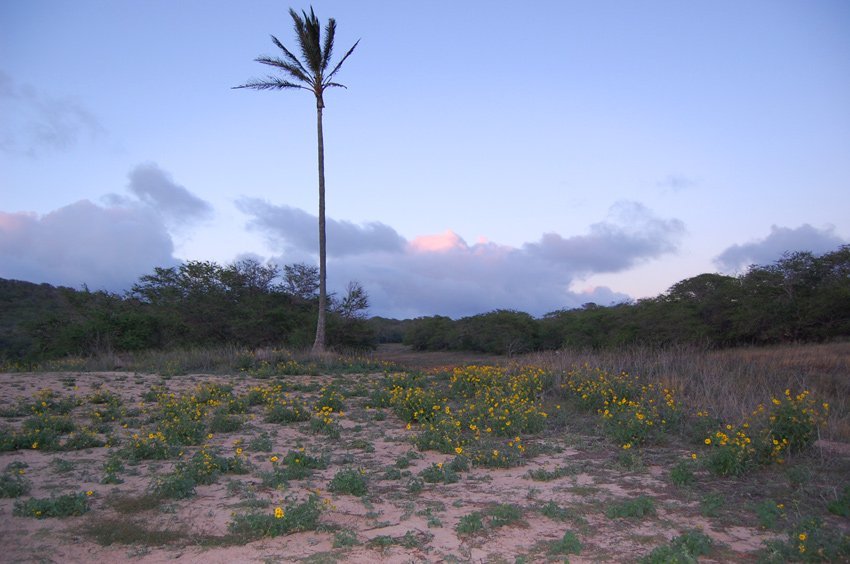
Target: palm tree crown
<point>309,71</point>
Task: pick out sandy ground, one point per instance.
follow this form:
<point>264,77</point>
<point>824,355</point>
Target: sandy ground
<point>391,524</point>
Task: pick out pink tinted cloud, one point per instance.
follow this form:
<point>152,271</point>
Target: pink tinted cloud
<point>448,240</point>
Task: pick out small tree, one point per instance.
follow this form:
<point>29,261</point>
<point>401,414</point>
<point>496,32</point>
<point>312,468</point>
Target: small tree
<point>355,302</point>
<point>301,280</point>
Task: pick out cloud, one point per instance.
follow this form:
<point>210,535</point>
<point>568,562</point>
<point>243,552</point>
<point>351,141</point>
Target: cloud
<point>296,230</point>
<point>103,246</point>
<point>156,188</point>
<point>631,234</point>
<point>676,182</point>
<point>33,124</point>
<point>780,240</point>
<point>443,274</point>
<point>83,243</point>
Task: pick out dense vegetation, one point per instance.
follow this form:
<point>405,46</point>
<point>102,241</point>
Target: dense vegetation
<point>196,304</point>
<point>802,297</point>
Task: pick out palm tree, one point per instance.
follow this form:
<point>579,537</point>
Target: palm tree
<point>309,73</point>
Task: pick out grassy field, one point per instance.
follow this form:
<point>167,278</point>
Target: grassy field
<point>652,456</point>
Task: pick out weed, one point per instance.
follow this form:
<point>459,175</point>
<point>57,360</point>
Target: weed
<point>300,517</point>
<point>223,422</point>
<point>681,474</point>
<point>504,514</point>
<point>415,485</point>
<point>324,424</point>
<point>62,506</point>
<point>711,504</point>
<point>13,482</point>
<point>345,538</point>
<point>569,544</point>
<point>544,475</point>
<point>841,504</point>
<point>685,548</point>
<point>283,411</point>
<point>349,481</point>
<point>470,524</point>
<point>769,513</point>
<point>809,541</point>
<point>439,472</point>
<point>261,443</point>
<point>640,506</point>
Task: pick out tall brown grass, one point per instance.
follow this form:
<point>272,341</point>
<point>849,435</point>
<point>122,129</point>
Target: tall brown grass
<point>730,383</point>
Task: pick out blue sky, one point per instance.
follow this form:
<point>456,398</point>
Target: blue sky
<point>482,157</point>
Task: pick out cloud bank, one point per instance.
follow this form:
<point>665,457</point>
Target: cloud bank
<point>443,274</point>
<point>779,241</point>
<point>103,246</point>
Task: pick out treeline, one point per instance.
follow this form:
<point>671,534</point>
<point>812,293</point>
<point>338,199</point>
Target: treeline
<point>196,304</point>
<point>801,297</point>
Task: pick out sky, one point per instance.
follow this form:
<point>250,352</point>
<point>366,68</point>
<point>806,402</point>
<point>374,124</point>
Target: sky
<point>484,155</point>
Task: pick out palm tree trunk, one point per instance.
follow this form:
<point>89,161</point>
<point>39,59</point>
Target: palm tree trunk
<point>319,343</point>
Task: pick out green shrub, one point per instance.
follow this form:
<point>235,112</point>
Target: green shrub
<point>681,474</point>
<point>349,481</point>
<point>282,521</point>
<point>841,505</point>
<point>470,524</point>
<point>62,506</point>
<point>439,473</point>
<point>640,506</point>
<point>569,544</point>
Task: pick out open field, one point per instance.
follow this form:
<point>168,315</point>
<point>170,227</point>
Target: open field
<point>269,464</point>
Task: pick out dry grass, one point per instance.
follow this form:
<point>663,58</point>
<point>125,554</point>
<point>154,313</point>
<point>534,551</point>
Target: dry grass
<point>732,382</point>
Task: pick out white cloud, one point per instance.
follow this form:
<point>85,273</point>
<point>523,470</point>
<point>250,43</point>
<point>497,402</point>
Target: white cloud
<point>156,188</point>
<point>296,230</point>
<point>83,243</point>
<point>780,240</point>
<point>103,246</point>
<point>443,274</point>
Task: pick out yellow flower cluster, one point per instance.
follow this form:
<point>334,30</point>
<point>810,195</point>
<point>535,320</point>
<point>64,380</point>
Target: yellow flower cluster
<point>631,409</point>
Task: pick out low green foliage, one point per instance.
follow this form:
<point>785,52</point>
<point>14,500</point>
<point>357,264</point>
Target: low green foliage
<point>710,504</point>
<point>60,506</point>
<point>841,504</point>
<point>684,549</point>
<point>13,482</point>
<point>769,513</point>
<point>325,424</point>
<point>345,538</point>
<point>544,475</point>
<point>504,514</point>
<point>809,541</point>
<point>224,422</point>
<point>637,507</point>
<point>284,412</point>
<point>470,524</point>
<point>351,481</point>
<point>283,520</point>
<point>439,473</point>
<point>682,473</point>
<point>568,544</point>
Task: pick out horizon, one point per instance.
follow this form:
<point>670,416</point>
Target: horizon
<point>591,153</point>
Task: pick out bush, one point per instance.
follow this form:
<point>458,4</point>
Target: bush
<point>62,506</point>
<point>349,481</point>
